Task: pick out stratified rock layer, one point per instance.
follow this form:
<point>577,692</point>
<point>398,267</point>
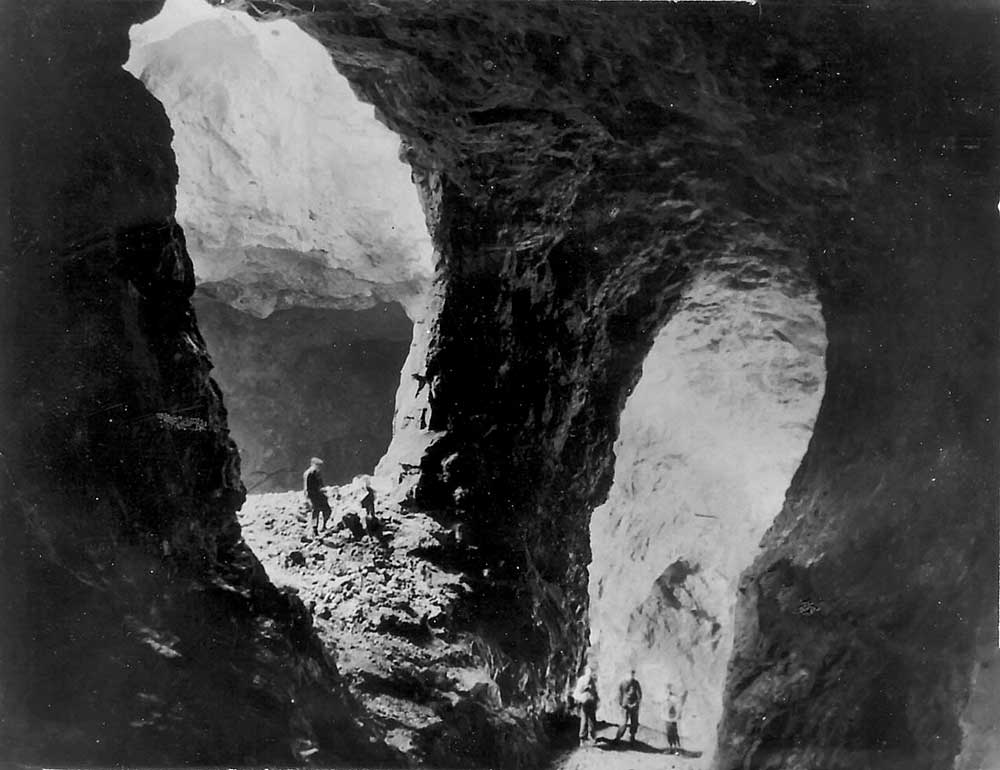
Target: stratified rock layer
<point>709,440</point>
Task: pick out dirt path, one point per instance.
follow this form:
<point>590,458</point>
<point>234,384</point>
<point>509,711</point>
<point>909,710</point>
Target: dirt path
<point>648,753</point>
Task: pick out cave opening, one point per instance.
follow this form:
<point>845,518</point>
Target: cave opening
<point>311,253</point>
<point>569,234</point>
<point>709,440</point>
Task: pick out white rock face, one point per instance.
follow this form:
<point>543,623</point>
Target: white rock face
<point>709,441</point>
<point>411,433</point>
<point>291,192</point>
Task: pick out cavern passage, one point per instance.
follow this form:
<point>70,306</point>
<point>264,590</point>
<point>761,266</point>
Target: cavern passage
<point>582,169</point>
<point>708,442</point>
<point>305,232</point>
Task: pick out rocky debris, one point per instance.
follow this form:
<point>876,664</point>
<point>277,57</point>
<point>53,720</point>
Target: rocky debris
<point>384,609</point>
<point>295,559</point>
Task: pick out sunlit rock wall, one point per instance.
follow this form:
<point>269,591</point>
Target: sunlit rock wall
<point>292,195</point>
<point>709,441</point>
<point>291,192</point>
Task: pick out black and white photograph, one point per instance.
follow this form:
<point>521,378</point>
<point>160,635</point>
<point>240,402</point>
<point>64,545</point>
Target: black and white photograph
<point>500,384</point>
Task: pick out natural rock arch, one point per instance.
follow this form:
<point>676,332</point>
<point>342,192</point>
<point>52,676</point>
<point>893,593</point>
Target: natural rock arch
<point>577,162</point>
<point>709,440</point>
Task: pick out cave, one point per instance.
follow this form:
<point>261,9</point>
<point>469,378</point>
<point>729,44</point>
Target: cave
<point>728,265</point>
<point>708,442</point>
<point>309,247</point>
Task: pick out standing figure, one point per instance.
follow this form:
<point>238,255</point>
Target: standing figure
<point>312,487</point>
<point>371,524</point>
<point>675,705</point>
<point>629,698</point>
<point>585,694</point>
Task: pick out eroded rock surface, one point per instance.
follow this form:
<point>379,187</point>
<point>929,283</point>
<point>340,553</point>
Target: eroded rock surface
<point>291,193</point>
<point>709,440</point>
<point>138,628</point>
<point>579,163</point>
<point>294,201</point>
<point>883,560</point>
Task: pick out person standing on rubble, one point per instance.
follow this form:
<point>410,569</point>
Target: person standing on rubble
<point>312,488</point>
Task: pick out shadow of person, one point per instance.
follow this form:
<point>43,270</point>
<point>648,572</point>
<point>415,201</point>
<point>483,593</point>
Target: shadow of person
<point>679,752</point>
<point>610,744</point>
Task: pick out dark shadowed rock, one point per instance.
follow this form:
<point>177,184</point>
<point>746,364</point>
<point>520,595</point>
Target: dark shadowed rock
<point>138,627</point>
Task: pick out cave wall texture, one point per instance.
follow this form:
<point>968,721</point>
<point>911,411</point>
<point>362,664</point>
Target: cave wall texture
<point>294,201</point>
<point>137,626</point>
<point>578,165</point>
<point>709,440</point>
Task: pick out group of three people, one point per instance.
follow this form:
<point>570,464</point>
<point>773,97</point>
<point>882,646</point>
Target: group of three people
<point>629,700</point>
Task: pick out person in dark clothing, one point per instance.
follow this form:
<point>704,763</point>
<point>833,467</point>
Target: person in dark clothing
<point>371,523</point>
<point>629,698</point>
<point>312,487</point>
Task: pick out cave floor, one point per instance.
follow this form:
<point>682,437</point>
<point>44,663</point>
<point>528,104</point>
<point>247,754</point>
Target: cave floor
<point>383,609</point>
<point>648,753</point>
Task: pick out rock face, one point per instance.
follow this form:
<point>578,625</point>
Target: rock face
<point>138,627</point>
<point>292,196</point>
<point>580,164</point>
<point>291,193</point>
<point>709,440</point>
<point>304,382</point>
<point>883,560</point>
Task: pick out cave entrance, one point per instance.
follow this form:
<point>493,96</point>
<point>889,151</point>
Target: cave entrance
<point>709,441</point>
<point>309,243</point>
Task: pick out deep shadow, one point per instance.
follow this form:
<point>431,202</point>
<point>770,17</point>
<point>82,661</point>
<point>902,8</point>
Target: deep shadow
<point>304,382</point>
<point>610,744</point>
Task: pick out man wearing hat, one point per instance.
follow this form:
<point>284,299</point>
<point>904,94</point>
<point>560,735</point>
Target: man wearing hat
<point>312,485</point>
<point>629,698</point>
